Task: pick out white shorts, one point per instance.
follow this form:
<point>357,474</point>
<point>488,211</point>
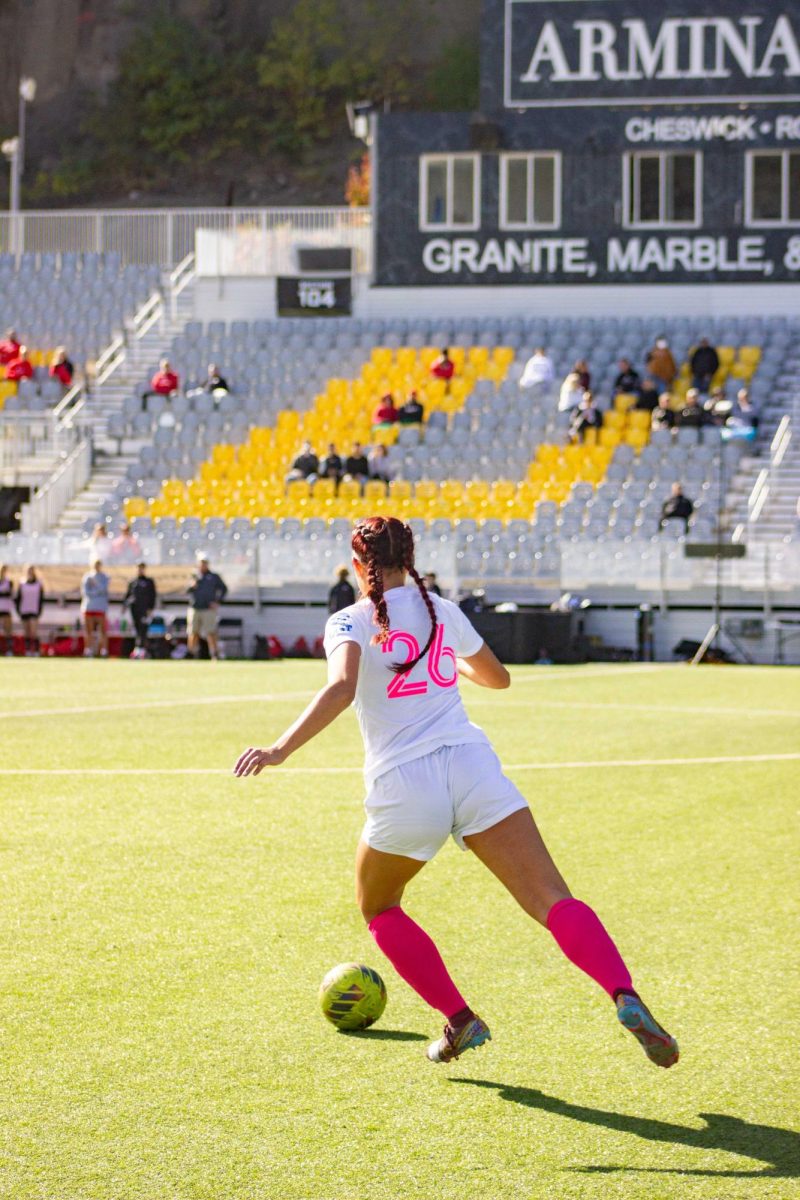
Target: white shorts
<point>413,809</point>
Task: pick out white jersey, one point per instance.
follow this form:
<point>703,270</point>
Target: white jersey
<point>405,716</point>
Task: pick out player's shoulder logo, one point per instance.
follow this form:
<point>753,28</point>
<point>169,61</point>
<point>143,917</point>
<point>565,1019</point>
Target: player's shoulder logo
<point>341,623</point>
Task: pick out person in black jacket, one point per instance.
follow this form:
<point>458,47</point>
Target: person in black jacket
<point>704,364</point>
<point>677,507</point>
<point>342,594</point>
<point>140,598</point>
<point>629,380</point>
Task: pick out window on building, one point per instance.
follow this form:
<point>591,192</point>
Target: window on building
<point>662,189</point>
<point>530,191</point>
<point>450,191</point>
<point>772,188</point>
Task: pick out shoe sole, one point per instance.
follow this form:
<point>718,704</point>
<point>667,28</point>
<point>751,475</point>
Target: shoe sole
<point>658,1045</point>
<point>473,1044</point>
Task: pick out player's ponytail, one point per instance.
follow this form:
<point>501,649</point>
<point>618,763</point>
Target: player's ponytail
<point>381,544</point>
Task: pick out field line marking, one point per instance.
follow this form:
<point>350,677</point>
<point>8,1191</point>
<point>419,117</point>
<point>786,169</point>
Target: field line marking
<point>585,764</point>
<point>664,708</point>
<point>140,704</point>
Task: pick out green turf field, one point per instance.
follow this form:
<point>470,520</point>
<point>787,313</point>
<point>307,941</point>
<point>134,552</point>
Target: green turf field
<point>165,927</point>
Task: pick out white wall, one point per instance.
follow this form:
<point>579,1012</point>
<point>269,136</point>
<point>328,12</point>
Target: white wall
<point>249,299</point>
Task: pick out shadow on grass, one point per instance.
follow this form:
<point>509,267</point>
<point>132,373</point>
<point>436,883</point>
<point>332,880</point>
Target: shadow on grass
<point>778,1148</point>
<point>385,1035</point>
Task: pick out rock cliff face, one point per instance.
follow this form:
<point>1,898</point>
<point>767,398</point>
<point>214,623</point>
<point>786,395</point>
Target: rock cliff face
<point>73,46</point>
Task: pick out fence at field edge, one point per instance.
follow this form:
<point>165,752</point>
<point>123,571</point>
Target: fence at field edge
<point>166,236</point>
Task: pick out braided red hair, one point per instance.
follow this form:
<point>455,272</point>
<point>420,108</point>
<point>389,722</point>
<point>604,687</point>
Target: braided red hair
<point>384,544</point>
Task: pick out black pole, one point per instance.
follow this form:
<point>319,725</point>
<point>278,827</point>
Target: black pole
<point>718,555</point>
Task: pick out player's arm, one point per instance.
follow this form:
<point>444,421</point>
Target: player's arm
<point>326,706</point>
<point>485,669</point>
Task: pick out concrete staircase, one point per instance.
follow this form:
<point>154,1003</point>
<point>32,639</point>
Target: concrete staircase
<point>141,355</point>
<point>779,459</point>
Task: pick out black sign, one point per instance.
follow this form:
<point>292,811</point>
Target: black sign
<point>581,52</point>
<point>306,296</point>
<point>714,550</point>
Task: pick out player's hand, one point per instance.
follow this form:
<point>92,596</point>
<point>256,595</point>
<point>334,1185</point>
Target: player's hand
<point>253,761</point>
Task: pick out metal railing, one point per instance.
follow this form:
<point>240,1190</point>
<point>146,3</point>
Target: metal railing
<point>31,442</point>
<point>52,497</point>
<point>167,236</point>
<point>767,478</point>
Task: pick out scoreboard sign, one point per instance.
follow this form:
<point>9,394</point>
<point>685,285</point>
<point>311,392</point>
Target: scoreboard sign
<point>584,52</point>
<point>317,296</point>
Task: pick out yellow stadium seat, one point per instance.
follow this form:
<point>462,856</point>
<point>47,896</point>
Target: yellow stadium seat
<point>614,419</point>
<point>298,490</point>
<point>503,356</point>
<point>349,489</point>
<point>750,354</point>
<point>324,489</point>
<point>726,355</point>
<point>478,356</point>
<point>637,437</point>
<point>426,489</point>
<point>375,490</point>
<point>623,401</point>
<point>608,437</point>
<point>400,491</point>
<point>638,419</point>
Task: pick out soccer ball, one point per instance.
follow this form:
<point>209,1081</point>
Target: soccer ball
<point>352,996</point>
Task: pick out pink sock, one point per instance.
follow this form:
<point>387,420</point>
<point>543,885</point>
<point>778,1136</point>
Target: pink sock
<point>416,959</point>
<point>583,938</point>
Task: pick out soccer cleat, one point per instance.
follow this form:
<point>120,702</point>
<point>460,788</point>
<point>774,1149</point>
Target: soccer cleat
<point>454,1042</point>
<point>658,1045</point>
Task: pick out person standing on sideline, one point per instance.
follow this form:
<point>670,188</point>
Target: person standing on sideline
<point>140,599</point>
<point>29,601</point>
<point>342,594</point>
<point>206,594</point>
<point>431,583</point>
<point>430,773</point>
<point>94,606</point>
<point>7,612</point>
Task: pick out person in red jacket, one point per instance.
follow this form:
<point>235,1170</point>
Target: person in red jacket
<point>61,368</point>
<point>165,381</point>
<point>385,413</point>
<point>20,367</point>
<point>443,367</point>
<point>9,348</point>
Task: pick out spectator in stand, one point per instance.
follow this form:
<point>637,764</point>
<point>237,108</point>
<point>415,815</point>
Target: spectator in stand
<point>6,612</point>
<point>342,594</point>
<point>213,385</point>
<point>61,368</point>
<point>571,393</point>
<point>663,416</point>
<point>743,415</point>
<point>206,593</point>
<point>305,465</point>
<point>331,466</point>
<point>125,547</point>
<point>429,579</point>
<point>412,412</point>
<point>539,371</point>
<point>94,607</point>
<point>99,544</point>
<point>692,415</point>
<point>379,465</point>
<point>648,396</point>
<point>140,600</point>
<point>585,417</point>
<point>385,414</point>
<point>717,406</point>
<point>164,383</point>
<point>21,366</point>
<point>581,369</point>
<point>704,365</point>
<point>629,381</point>
<point>661,363</point>
<point>677,507</point>
<point>29,602</point>
<point>9,348</point>
<point>356,465</point>
<point>443,367</point>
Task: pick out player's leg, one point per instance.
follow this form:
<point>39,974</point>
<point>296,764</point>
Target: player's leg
<point>381,879</point>
<point>102,634</point>
<point>515,852</point>
<point>5,634</point>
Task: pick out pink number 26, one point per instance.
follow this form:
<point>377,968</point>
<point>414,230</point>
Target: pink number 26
<point>400,685</point>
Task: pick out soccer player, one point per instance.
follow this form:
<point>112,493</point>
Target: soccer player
<point>430,773</point>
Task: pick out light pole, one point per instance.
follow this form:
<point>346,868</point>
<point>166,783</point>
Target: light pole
<point>27,95</point>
